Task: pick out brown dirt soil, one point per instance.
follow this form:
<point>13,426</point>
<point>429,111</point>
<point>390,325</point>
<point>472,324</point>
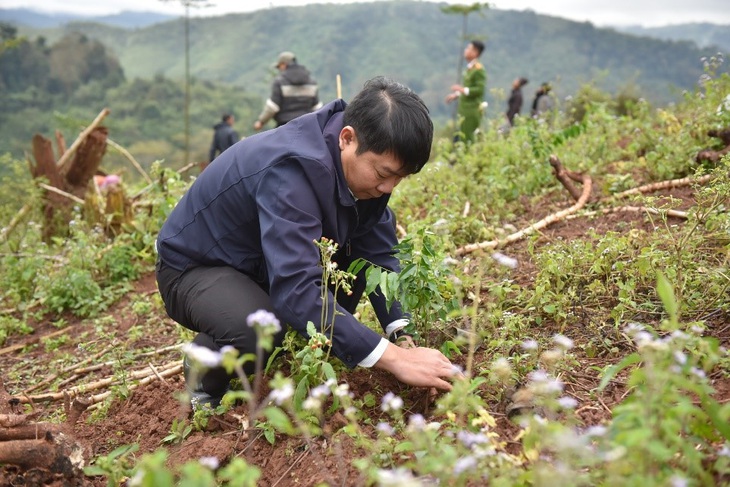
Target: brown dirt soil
<point>147,414</point>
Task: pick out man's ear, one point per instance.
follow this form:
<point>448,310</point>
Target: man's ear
<point>347,136</point>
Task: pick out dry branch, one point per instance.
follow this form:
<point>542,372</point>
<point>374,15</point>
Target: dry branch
<point>492,244</point>
<point>131,159</point>
<point>14,222</point>
<point>33,431</point>
<point>672,183</point>
<point>631,209</point>
<point>82,136</point>
<point>52,189</point>
<point>144,375</point>
<point>19,346</point>
<point>566,177</point>
<point>94,400</point>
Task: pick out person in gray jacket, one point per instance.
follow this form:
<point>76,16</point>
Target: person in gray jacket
<point>293,93</point>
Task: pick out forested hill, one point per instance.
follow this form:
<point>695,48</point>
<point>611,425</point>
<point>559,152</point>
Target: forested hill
<point>702,33</point>
<point>414,42</point>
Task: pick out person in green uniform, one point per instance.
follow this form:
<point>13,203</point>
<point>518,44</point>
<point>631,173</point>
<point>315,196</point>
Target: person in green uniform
<point>471,92</point>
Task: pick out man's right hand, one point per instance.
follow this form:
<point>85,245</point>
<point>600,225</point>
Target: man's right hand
<point>420,367</point>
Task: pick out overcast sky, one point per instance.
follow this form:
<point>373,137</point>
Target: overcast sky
<point>649,13</point>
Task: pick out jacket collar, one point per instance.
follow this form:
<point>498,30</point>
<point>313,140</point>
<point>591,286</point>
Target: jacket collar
<point>331,132</point>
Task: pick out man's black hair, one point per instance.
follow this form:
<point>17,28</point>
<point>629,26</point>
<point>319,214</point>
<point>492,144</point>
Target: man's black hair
<point>389,117</point>
<point>479,46</point>
<point>226,117</point>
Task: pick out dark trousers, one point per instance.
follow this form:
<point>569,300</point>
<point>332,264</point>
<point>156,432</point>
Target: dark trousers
<point>215,302</point>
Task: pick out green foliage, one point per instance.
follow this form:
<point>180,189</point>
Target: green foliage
<point>117,466</point>
<point>179,430</point>
<point>423,286</point>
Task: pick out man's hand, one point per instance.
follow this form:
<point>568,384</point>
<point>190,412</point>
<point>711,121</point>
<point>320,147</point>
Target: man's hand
<point>419,366</point>
<point>257,125</point>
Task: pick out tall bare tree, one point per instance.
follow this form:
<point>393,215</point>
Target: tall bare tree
<point>188,4</point>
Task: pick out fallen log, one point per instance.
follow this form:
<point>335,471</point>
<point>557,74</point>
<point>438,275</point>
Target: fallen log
<point>32,431</point>
<point>55,453</point>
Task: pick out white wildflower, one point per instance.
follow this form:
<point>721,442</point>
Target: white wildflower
<point>698,372</point>
<point>505,260</point>
<point>320,392</point>
<point>469,439</point>
<point>529,344</point>
<point>264,319</point>
<point>563,342</point>
<point>464,464</point>
<point>385,428</point>
<point>282,394</point>
<point>399,477</point>
<point>202,355</point>
<point>417,422</point>
<point>502,369</point>
<point>209,462</point>
<point>342,390</point>
<point>391,402</point>
<point>597,430</point>
<point>312,404</point>
<point>567,402</point>
<point>680,357</point>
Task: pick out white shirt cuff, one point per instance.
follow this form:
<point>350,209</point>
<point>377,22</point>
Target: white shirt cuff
<point>466,91</point>
<point>395,326</point>
<point>375,355</point>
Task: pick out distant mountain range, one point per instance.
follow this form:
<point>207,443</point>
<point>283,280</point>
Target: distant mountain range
<point>412,41</point>
<point>126,20</point>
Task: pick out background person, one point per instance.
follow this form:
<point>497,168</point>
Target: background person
<point>223,136</point>
<point>293,93</point>
<point>514,104</point>
<point>471,92</point>
<point>543,101</point>
<point>241,238</point>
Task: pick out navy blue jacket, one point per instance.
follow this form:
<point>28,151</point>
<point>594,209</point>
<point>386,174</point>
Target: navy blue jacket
<point>260,205</point>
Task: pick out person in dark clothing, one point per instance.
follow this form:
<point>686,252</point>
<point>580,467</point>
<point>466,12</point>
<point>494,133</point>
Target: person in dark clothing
<point>241,238</point>
<point>293,93</point>
<point>542,103</point>
<point>514,104</point>
<point>223,137</point>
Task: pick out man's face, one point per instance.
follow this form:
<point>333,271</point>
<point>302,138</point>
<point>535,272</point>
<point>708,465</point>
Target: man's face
<point>470,52</point>
<point>368,175</point>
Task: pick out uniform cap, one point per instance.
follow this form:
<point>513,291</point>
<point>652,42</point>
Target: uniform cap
<point>285,57</point>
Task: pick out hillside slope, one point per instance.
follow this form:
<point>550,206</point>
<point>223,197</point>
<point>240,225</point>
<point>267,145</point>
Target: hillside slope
<point>415,42</point>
